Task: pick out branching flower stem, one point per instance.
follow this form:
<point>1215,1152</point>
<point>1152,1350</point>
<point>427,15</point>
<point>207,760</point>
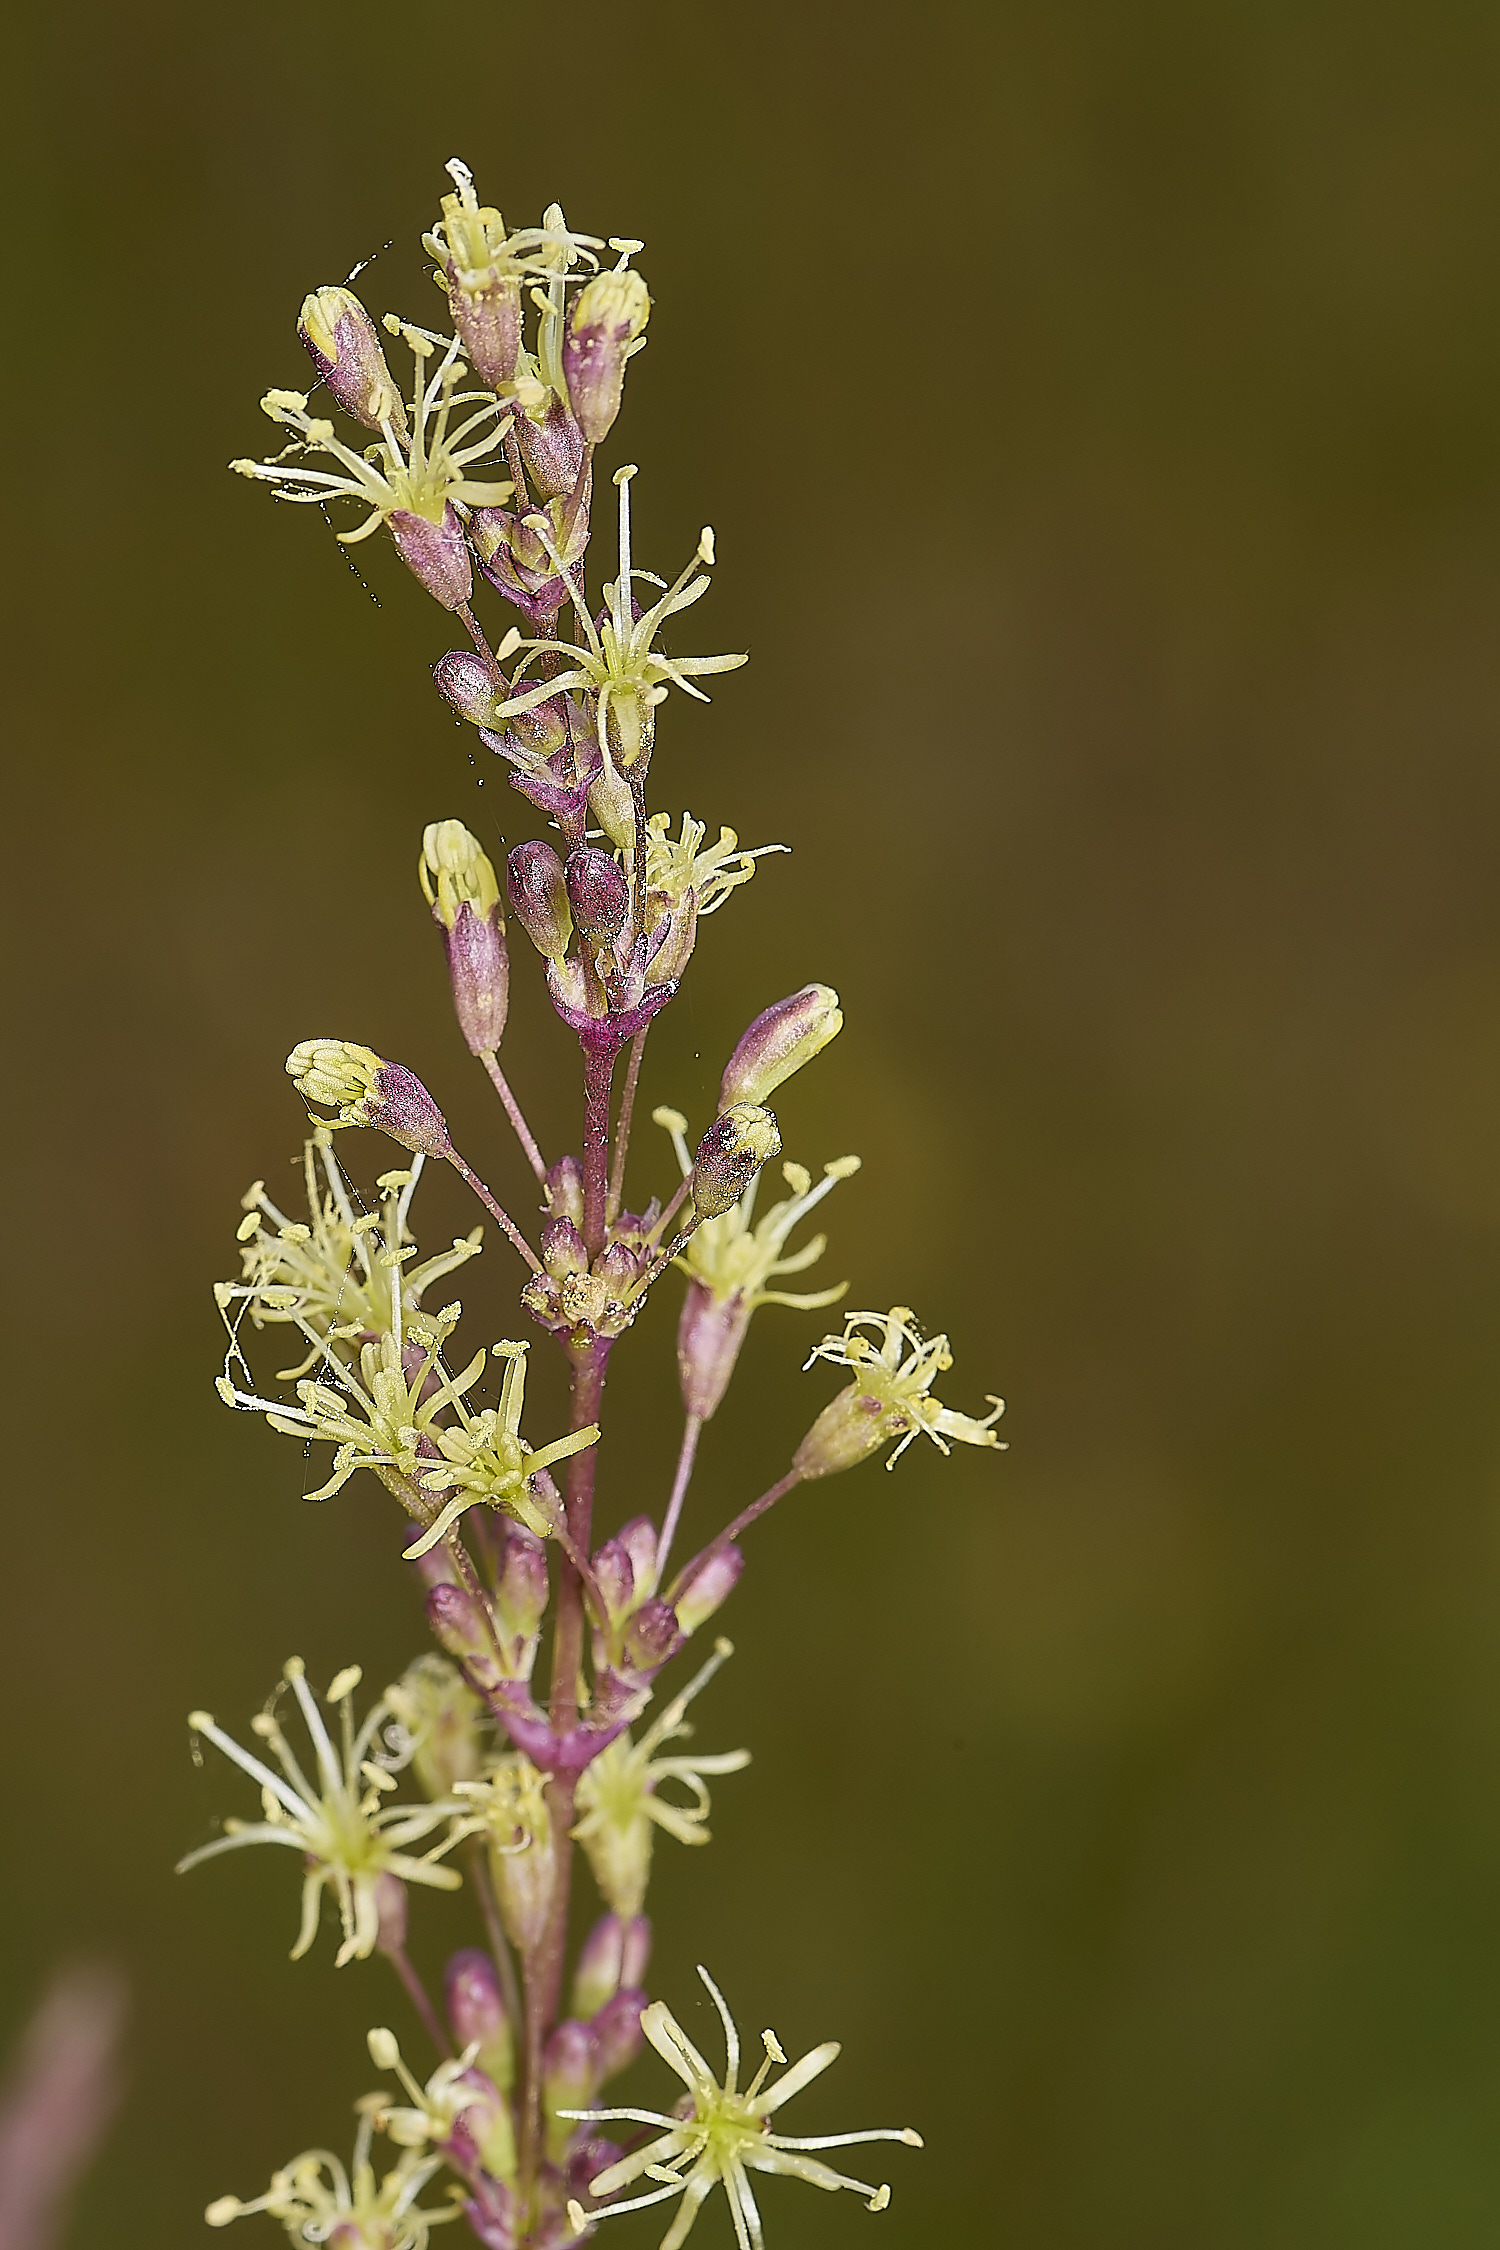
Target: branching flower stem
<point>622,1126</point>
<point>687,1455</point>
<point>416,1993</point>
<point>503,1218</point>
<point>513,1111</point>
<point>731,1531</point>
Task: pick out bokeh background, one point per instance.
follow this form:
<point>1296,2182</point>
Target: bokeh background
<point>1099,410</point>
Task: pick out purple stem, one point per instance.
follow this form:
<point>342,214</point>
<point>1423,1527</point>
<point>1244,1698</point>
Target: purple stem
<point>598,1074</point>
<point>622,1127</point>
<point>493,1208</point>
<point>731,1531</point>
<point>680,1482</point>
<point>416,1993</point>
<point>524,1134</point>
<point>476,634</point>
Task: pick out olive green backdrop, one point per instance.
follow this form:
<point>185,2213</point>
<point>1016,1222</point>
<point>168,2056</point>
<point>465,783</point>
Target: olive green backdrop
<point>1098,410</point>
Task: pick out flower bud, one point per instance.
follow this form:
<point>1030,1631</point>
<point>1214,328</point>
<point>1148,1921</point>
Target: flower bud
<point>779,1042</point>
<point>521,1584</point>
<point>599,1966</point>
<point>458,883</point>
<point>652,1636</point>
<point>570,2079</point>
<point>731,1152</point>
<point>608,314</point>
<point>565,1188</point>
<point>518,561</point>
<point>437,553</point>
<point>598,893</point>
<point>368,1091</point>
<point>709,1588</point>
<point>390,1911</point>
<point>525,1870</point>
<point>458,1625</point>
<point>465,679</point>
<point>539,898</point>
<point>552,449</point>
<point>613,807</point>
<point>483,2135</point>
<point>709,1335</point>
<point>617,2030</point>
<point>476,2010</point>
<point>341,341</point>
<point>563,1249</point>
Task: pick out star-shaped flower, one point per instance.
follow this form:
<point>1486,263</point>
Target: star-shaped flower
<point>726,2136</point>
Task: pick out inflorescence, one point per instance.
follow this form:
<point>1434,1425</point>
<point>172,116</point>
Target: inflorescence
<point>468,1771</point>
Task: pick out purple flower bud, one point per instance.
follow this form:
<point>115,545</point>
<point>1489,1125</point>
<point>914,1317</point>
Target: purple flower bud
<point>437,553</point>
<point>637,1951</point>
<point>390,1909</point>
<point>552,449</point>
<point>709,1335</point>
<point>653,1636</point>
<point>709,1588</point>
<point>479,973</point>
<point>458,1625</point>
<point>343,346</point>
<point>492,2213</point>
<point>519,561</point>
<point>608,314</point>
<point>597,892</point>
<point>521,1584</point>
<point>476,2010</point>
<point>619,1265</point>
<point>617,2030</point>
<point>483,2135</point>
<point>570,2079</point>
<point>781,1040</point>
<point>563,1250</point>
<point>599,1966</point>
<point>539,897</point>
<point>614,1575</point>
<point>565,1188</point>
<point>736,1145</point>
<point>369,1091</point>
<point>464,678</point>
<point>638,1538</point>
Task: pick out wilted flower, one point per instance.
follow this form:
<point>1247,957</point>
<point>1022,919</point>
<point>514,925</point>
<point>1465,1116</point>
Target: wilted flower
<point>727,2134</point>
<point>348,1834</point>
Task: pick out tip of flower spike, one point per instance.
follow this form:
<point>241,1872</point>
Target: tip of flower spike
<point>344,1683</point>
<point>220,2213</point>
<point>384,2051</point>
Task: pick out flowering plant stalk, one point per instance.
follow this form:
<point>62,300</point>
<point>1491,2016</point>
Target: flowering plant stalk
<point>465,1772</point>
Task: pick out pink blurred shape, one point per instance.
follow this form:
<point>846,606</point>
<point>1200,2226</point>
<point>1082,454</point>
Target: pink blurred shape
<point>57,2100</point>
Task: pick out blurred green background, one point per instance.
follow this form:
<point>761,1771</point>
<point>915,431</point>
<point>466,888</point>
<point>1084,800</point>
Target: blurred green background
<point>1097,408</point>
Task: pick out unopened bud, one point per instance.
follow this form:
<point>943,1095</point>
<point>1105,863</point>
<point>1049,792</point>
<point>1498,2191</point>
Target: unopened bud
<point>458,1625</point>
<point>468,683</point>
<point>652,1636</point>
<point>709,1335</point>
<point>608,314</point>
<point>709,1588</point>
<point>458,883</point>
<point>436,553</point>
<point>570,2078</point>
<point>476,2010</point>
<point>599,1966</point>
<point>730,1154</point>
<point>780,1041</point>
<point>564,1251</point>
<point>617,2030</point>
<point>342,343</point>
<point>390,1913</point>
<point>552,449</point>
<point>522,564</point>
<point>369,1091</point>
<point>539,898</point>
<point>521,1584</point>
<point>598,893</point>
<point>565,1188</point>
